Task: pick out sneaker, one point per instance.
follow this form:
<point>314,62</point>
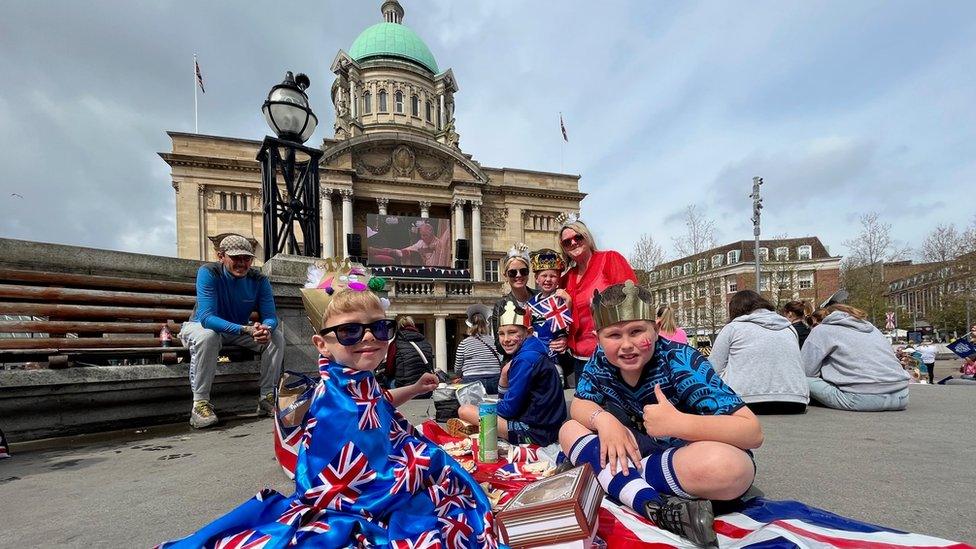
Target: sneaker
<point>266,405</point>
<point>202,415</point>
<point>689,518</point>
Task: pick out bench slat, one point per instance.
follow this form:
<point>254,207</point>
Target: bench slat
<point>60,343</point>
<point>92,311</point>
<point>98,281</point>
<point>76,295</point>
<point>74,327</point>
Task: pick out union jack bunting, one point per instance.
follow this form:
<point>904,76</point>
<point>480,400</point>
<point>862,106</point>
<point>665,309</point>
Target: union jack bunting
<point>412,464</point>
<point>553,310</point>
<point>341,482</point>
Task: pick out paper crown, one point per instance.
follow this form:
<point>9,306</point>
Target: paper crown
<point>328,276</point>
<point>547,259</point>
<point>621,303</point>
<point>519,250</point>
<point>511,315</point>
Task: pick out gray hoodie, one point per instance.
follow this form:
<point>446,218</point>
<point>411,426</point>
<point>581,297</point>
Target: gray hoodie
<point>758,356</point>
<point>853,355</point>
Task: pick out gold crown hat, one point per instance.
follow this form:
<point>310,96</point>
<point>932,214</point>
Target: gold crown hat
<point>547,259</point>
<point>511,315</point>
<point>328,276</point>
<point>627,302</point>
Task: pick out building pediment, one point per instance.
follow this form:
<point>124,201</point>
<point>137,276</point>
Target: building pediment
<point>399,155</point>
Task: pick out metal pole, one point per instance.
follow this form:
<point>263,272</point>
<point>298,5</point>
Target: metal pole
<point>756,208</point>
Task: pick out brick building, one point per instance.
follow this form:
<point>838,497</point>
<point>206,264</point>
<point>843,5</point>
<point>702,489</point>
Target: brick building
<point>926,294</point>
<point>698,287</point>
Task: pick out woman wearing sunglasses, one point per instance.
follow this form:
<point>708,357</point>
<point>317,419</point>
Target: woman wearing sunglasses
<point>589,270</point>
<point>516,271</point>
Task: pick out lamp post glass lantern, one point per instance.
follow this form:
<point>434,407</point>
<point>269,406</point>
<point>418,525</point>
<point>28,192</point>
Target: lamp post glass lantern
<point>291,214</point>
<point>287,110</point>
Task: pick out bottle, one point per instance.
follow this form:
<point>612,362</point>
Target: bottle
<point>488,431</point>
<point>165,336</point>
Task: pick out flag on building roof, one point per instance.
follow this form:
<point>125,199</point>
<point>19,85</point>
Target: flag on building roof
<point>199,75</point>
<point>562,126</point>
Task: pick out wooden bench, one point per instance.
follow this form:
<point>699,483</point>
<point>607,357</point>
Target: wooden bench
<point>59,319</point>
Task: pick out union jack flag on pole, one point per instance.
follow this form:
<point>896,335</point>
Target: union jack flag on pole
<point>562,126</point>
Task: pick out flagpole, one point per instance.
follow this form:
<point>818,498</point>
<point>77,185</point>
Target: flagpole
<point>562,146</point>
<point>196,120</point>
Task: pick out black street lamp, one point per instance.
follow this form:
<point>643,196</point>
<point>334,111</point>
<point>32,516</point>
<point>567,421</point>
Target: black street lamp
<point>295,208</point>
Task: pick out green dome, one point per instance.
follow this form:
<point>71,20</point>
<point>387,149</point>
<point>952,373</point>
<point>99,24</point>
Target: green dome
<point>392,40</point>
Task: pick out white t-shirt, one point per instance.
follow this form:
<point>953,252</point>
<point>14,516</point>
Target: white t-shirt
<point>928,353</point>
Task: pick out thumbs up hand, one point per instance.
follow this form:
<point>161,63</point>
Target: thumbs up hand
<point>662,419</point>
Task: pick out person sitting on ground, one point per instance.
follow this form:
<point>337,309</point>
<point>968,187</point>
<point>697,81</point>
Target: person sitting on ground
<point>409,357</point>
<point>533,406</point>
<point>516,271</point>
<point>667,326</point>
<point>365,476</point>
<point>228,291</point>
<point>797,312</point>
<point>850,364</point>
<point>968,368</point>
<point>928,351</point>
<point>661,430</point>
<point>476,359</point>
<point>757,356</point>
<point>910,360</point>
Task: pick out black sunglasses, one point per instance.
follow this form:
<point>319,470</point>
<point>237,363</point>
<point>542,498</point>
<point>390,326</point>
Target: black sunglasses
<point>352,333</point>
<point>512,273</point>
<point>573,240</point>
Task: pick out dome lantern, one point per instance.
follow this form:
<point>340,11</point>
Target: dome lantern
<point>392,12</point>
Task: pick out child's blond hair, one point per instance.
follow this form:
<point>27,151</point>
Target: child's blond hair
<point>351,301</point>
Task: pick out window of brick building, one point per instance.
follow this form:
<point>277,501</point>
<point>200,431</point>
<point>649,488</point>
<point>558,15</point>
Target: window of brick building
<point>717,260</point>
<point>805,280</point>
<point>733,256</point>
<point>804,252</point>
<point>733,286</point>
<point>702,289</point>
<point>764,254</point>
<point>782,253</point>
<point>701,265</point>
<point>686,268</point>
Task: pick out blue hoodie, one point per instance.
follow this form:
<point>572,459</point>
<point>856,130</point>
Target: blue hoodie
<point>535,393</point>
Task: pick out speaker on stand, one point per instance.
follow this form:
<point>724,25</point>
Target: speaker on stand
<point>461,253</point>
<point>354,243</point>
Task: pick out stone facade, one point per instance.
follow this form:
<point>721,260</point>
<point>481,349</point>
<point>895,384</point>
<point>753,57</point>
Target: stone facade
<point>385,157</point>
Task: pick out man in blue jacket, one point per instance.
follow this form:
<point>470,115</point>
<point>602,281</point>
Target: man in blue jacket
<point>227,293</point>
<point>533,406</point>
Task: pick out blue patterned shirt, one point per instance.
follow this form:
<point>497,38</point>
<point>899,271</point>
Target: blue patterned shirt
<point>685,376</point>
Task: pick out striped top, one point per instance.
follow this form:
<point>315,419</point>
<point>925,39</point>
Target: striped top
<point>476,356</point>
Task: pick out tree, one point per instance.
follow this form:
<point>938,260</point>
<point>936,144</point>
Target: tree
<point>645,257</point>
<point>951,251</point>
<point>944,244</point>
<point>862,271</point>
<point>699,236</point>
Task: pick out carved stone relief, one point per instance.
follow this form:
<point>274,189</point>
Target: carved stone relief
<point>493,218</point>
<point>402,161</point>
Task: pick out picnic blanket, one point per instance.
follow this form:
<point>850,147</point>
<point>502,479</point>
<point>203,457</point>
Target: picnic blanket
<point>757,522</point>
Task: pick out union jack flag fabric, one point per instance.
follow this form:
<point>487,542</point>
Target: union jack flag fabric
<point>765,523</point>
<point>287,436</point>
<point>551,318</point>
<point>366,478</point>
<point>4,451</point>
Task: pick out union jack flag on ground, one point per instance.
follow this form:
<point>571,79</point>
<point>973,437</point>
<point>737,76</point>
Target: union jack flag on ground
<point>340,483</point>
<point>248,539</point>
<point>410,468</point>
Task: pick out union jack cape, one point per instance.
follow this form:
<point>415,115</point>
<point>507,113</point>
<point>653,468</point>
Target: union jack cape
<point>364,477</point>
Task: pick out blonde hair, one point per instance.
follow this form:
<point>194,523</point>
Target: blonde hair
<point>820,314</point>
<point>508,262</point>
<point>665,320</point>
<point>351,301</point>
<point>405,322</point>
<point>582,229</point>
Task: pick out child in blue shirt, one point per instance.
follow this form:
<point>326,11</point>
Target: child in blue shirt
<point>663,432</point>
<point>533,406</point>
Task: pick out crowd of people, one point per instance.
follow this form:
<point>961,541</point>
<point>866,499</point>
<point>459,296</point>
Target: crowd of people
<point>667,430</point>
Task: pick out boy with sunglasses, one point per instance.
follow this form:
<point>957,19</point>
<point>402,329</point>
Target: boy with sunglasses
<point>533,406</point>
<point>364,476</point>
<point>662,431</point>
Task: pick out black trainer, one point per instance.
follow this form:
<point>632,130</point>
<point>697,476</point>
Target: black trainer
<point>689,518</point>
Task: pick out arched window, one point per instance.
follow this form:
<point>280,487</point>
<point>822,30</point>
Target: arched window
<point>415,106</point>
<point>382,107</point>
<point>367,102</point>
<point>430,111</point>
<point>398,102</point>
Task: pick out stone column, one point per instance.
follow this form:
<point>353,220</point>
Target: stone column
<point>477,265</point>
<point>458,218</point>
<point>381,203</point>
<point>443,120</point>
<point>353,100</point>
<point>346,219</point>
<point>202,199</point>
<point>328,223</point>
<point>425,209</point>
<point>440,341</point>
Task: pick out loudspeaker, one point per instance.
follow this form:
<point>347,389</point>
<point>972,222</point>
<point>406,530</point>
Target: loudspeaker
<point>461,250</point>
<point>354,244</point>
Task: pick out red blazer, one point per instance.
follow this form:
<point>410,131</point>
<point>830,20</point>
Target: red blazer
<point>606,268</point>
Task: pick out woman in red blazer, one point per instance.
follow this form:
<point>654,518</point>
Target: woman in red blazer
<point>589,270</point>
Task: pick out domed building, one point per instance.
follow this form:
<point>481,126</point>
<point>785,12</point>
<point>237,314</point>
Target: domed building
<point>395,151</point>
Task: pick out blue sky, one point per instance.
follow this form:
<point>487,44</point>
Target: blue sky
<point>843,107</point>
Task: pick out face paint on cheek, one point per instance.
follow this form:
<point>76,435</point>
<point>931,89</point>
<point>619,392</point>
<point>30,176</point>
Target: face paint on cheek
<point>645,344</point>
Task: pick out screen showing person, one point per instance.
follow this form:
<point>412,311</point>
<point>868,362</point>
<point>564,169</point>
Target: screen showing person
<point>409,241</point>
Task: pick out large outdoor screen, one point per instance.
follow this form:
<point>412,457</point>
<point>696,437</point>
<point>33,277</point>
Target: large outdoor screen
<point>411,241</point>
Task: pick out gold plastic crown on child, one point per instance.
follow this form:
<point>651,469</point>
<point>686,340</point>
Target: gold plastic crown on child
<point>632,303</point>
<point>547,259</point>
